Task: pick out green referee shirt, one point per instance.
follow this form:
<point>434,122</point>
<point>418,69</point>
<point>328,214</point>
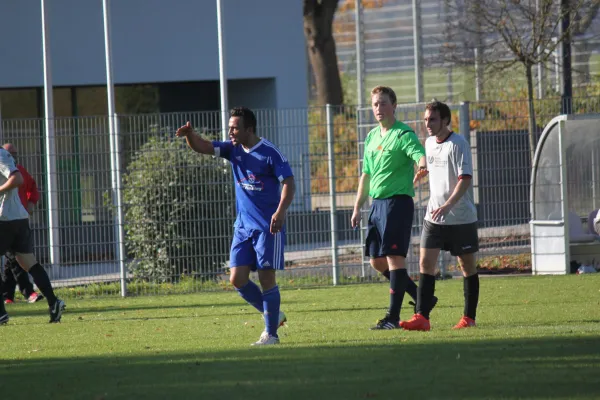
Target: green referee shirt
<point>389,160</point>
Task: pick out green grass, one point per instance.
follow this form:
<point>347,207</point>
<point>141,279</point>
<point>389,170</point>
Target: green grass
<point>538,337</point>
<point>463,83</point>
<point>403,82</point>
<point>434,83</point>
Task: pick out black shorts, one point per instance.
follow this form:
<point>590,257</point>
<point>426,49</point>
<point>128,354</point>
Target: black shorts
<point>457,239</point>
<point>389,227</point>
<point>16,237</point>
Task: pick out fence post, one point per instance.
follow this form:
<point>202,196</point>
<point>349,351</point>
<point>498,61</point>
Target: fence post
<point>332,195</point>
<point>464,125</point>
<point>360,139</point>
<point>465,130</point>
<point>120,231</point>
<point>418,51</point>
<point>50,143</point>
<point>593,176</point>
<point>478,77</point>
<point>360,95</point>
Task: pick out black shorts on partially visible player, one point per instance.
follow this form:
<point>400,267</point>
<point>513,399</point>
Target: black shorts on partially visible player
<point>16,237</point>
<point>457,239</point>
<point>389,227</point>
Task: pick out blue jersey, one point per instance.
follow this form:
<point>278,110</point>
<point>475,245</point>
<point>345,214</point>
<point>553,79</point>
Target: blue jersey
<point>258,173</point>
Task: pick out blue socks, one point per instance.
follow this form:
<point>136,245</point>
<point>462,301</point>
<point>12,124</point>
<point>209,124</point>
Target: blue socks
<point>252,294</point>
<point>266,303</point>
<point>272,301</point>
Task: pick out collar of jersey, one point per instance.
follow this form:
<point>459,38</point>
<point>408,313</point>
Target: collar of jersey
<point>445,140</point>
<point>250,150</point>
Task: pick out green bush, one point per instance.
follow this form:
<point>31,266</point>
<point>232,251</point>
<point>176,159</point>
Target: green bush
<point>178,212</point>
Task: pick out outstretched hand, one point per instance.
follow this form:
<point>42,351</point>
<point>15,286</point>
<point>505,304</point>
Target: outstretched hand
<point>185,130</point>
<point>421,173</point>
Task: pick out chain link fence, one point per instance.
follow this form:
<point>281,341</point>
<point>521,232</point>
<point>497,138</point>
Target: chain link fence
<point>398,43</point>
<point>171,230</point>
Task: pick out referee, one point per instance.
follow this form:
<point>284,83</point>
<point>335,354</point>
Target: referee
<point>391,150</point>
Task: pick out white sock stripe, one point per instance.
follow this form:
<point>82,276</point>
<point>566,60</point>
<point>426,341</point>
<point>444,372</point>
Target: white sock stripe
<point>280,252</point>
<point>273,289</point>
<point>271,145</point>
<point>281,260</point>
<point>276,251</point>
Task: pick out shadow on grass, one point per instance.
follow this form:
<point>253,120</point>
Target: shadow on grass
<point>125,307</point>
<point>493,369</point>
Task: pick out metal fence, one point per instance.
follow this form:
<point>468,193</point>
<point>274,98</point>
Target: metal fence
<point>398,43</point>
<point>171,229</point>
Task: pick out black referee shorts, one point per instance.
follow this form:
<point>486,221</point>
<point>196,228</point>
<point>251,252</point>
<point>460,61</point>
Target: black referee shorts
<point>390,226</point>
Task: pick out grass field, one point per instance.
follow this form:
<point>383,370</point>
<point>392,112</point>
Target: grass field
<point>435,83</point>
<point>538,337</point>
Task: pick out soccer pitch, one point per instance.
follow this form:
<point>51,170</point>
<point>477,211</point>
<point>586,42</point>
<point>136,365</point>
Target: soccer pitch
<point>538,337</point>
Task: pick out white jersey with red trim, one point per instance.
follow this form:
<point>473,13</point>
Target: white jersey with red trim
<point>448,162</point>
<point>11,207</point>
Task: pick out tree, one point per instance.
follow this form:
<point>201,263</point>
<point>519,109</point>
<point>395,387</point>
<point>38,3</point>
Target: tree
<point>583,52</point>
<point>318,30</point>
<point>511,32</point>
<point>171,198</point>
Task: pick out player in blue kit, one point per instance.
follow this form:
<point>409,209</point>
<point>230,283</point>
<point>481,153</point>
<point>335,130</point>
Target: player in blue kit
<point>264,190</point>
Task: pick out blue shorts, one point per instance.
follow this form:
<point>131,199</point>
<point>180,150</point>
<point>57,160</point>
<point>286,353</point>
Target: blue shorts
<point>390,227</point>
<point>257,249</point>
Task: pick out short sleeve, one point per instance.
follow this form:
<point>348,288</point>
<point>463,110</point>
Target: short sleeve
<point>411,146</point>
<point>7,164</point>
<point>462,158</point>
<point>223,149</point>
<point>366,169</point>
<point>281,166</point>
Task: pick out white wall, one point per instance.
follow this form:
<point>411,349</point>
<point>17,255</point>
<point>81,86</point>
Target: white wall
<point>156,41</point>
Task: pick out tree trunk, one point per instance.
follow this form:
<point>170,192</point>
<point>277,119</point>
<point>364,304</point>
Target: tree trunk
<point>318,30</point>
<point>532,123</point>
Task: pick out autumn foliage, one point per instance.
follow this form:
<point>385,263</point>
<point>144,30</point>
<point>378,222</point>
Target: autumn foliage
<point>345,152</point>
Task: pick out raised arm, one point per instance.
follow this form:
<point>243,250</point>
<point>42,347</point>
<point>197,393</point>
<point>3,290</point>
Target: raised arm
<point>195,141</point>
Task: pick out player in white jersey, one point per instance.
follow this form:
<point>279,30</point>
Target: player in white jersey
<point>451,219</point>
<point>15,236</point>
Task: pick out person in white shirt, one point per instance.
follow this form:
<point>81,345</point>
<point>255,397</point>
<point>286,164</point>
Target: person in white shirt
<point>451,219</point>
<point>596,223</point>
<point>16,237</point>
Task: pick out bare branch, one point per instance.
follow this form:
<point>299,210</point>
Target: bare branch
<point>582,23</point>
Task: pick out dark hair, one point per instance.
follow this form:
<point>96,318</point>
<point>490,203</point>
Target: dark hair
<point>440,107</point>
<point>385,90</point>
<point>247,116</point>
